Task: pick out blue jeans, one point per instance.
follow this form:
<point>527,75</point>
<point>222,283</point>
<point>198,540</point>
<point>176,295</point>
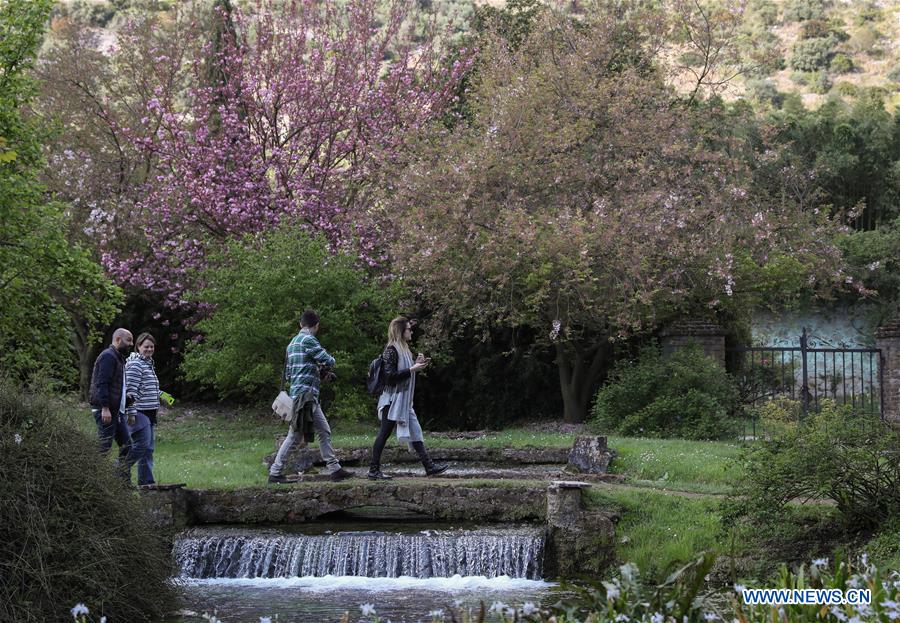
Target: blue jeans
<point>142,440</point>
<point>145,465</point>
<point>117,429</point>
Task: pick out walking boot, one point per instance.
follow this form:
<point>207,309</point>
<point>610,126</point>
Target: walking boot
<point>431,468</point>
<point>375,473</point>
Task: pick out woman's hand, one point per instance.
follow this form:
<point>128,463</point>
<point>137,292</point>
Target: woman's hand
<point>418,365</point>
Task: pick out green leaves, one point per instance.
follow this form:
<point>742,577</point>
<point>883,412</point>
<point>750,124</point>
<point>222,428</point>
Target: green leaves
<point>44,280</point>
<point>256,290</point>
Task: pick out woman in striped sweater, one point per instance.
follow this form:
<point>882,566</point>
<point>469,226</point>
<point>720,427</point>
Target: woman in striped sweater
<point>140,377</point>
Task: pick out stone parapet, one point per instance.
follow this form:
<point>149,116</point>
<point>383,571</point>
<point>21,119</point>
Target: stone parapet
<point>887,339</point>
<point>709,336</point>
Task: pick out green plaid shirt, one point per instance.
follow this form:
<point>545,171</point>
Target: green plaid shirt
<point>304,356</point>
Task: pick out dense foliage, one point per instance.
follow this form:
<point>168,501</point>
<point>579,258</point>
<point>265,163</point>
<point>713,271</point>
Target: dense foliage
<point>45,282</point>
<point>69,530</point>
<point>685,395</point>
<point>588,213</point>
<point>255,293</point>
<point>834,454</point>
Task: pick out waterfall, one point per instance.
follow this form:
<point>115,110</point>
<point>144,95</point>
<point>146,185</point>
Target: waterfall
<point>513,552</point>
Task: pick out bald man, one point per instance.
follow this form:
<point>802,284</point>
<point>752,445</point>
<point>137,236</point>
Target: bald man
<point>108,402</point>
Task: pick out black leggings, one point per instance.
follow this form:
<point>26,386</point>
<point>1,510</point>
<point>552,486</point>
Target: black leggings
<point>384,433</point>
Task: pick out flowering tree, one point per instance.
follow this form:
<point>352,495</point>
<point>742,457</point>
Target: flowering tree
<point>589,200</point>
<point>283,114</point>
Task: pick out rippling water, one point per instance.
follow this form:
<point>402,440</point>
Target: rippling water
<point>325,599</point>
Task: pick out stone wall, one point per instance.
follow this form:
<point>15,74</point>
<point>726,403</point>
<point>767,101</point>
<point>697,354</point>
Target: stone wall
<point>306,502</point>
<point>708,336</point>
<point>578,542</point>
<point>887,338</point>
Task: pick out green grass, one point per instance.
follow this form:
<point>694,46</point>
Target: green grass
<point>659,530</point>
<point>210,447</point>
<point>676,464</point>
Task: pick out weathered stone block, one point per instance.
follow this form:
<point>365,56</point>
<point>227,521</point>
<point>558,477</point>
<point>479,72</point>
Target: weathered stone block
<point>590,454</point>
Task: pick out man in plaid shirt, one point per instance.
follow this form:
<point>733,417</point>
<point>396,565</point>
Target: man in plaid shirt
<point>305,360</point>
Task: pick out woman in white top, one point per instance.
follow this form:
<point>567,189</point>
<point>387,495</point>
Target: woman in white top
<point>395,405</point>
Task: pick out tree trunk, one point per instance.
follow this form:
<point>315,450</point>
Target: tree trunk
<point>579,374</point>
<point>87,353</point>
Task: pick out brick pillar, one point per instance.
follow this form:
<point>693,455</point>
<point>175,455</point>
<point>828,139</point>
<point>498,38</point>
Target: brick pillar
<point>887,338</point>
<point>707,335</point>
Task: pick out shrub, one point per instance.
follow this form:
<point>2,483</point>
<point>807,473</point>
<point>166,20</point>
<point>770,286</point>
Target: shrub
<point>847,89</point>
<point>811,54</point>
<point>841,63</point>
<point>69,531</point>
<point>764,91</point>
<point>686,395</point>
<point>835,454</point>
<point>800,10</point>
<point>257,289</point>
<point>814,29</point>
<point>821,83</point>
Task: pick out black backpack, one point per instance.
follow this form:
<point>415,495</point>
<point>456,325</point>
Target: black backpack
<point>374,382</point>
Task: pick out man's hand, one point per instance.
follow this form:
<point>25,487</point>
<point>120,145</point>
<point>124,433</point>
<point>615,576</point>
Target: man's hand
<point>105,415</point>
<point>131,420</point>
<point>167,398</point>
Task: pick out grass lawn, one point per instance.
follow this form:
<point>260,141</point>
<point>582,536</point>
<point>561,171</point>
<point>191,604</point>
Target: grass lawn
<point>659,530</point>
<point>676,464</point>
<point>207,446</point>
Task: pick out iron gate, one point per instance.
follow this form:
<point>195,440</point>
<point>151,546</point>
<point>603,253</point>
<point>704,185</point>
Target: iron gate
<point>803,373</point>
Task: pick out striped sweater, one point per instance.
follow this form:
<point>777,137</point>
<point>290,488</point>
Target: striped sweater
<point>140,378</point>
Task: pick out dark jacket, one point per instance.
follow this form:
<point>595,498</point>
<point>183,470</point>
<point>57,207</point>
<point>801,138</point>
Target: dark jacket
<point>107,380</point>
<point>390,360</point>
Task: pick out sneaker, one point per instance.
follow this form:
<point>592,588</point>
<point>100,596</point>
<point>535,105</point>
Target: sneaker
<point>437,468</point>
<point>341,474</point>
<point>278,480</point>
<point>377,474</point>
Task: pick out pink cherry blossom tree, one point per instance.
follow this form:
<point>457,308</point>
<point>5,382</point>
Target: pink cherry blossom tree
<point>281,114</point>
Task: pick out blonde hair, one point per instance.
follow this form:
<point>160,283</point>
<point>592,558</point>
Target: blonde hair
<point>395,335</point>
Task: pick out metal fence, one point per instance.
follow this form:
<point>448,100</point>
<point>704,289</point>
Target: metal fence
<point>807,374</point>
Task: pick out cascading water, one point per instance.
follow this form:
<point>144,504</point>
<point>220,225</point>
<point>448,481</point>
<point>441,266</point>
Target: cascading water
<point>513,552</point>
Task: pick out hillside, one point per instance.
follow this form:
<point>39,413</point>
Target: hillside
<point>811,48</point>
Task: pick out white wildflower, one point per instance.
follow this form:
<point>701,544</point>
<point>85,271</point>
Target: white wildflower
<point>265,619</point>
<point>102,619</point>
<point>612,591</point>
<point>739,589</point>
<point>528,608</point>
<point>838,614</point>
<point>711,616</point>
<point>367,609</point>
<point>18,439</point>
<point>657,618</point>
<point>819,563</point>
<point>622,618</point>
<point>78,610</point>
<point>874,265</point>
<point>497,607</point>
<point>436,614</point>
